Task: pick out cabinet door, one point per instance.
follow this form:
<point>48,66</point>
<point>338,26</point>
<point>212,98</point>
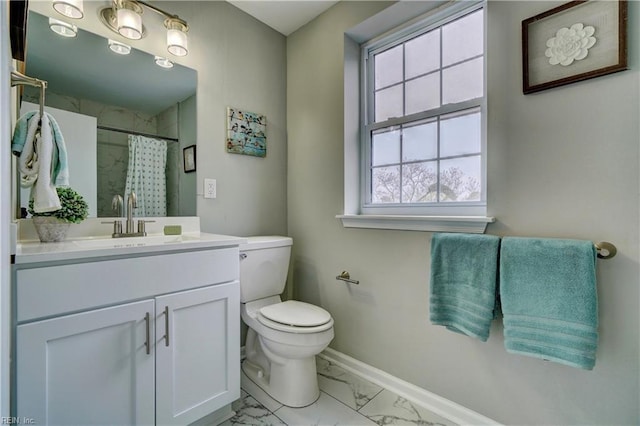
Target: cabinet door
<point>197,352</point>
<point>89,368</point>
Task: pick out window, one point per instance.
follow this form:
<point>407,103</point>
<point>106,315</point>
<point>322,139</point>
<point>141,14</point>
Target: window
<point>423,124</point>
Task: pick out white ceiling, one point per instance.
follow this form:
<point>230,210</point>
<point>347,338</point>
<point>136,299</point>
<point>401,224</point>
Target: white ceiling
<point>284,16</point>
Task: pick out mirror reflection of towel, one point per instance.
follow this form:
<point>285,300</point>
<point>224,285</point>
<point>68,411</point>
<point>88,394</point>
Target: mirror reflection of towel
<point>23,135</point>
<point>35,164</point>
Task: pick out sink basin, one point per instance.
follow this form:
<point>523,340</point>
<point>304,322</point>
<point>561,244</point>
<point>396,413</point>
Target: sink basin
<point>132,241</point>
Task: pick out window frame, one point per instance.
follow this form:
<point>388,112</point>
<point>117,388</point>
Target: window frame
<point>393,38</point>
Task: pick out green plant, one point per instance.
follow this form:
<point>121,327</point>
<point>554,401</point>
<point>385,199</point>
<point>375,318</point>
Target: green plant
<point>74,207</point>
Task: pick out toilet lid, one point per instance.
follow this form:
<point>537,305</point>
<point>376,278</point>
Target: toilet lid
<point>295,313</point>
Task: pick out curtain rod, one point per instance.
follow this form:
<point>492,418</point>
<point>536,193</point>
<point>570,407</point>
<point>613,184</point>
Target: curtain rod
<point>114,129</point>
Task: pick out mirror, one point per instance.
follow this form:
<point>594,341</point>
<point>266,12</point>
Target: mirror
<point>127,94</point>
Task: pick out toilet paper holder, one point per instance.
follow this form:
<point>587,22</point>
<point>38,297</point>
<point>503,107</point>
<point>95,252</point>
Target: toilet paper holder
<point>345,276</point>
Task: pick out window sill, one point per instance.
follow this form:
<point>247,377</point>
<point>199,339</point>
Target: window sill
<point>469,224</point>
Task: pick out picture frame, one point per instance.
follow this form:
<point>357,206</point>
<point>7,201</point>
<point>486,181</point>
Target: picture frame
<point>189,158</point>
<point>573,42</point>
<point>246,132</point>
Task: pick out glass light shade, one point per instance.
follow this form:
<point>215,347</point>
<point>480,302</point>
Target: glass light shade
<point>129,24</point>
<point>62,28</point>
<point>119,48</point>
<point>177,42</point>
<point>69,8</point>
<point>163,62</point>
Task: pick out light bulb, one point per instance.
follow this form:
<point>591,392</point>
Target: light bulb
<point>69,8</point>
<point>176,36</point>
<point>129,23</point>
<point>62,28</point>
<point>163,62</point>
<point>119,48</point>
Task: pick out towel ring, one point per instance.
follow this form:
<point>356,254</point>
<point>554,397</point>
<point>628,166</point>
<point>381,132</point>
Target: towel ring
<point>605,250</point>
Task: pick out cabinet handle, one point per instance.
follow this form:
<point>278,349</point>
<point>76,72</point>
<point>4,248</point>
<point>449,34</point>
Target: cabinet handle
<point>166,326</point>
<point>147,320</point>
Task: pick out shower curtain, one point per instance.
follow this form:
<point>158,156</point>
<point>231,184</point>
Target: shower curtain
<point>146,175</point>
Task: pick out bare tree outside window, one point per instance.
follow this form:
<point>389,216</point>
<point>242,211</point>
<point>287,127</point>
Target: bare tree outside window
<point>420,185</point>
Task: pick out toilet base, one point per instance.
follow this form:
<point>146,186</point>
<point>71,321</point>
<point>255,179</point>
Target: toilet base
<point>294,384</point>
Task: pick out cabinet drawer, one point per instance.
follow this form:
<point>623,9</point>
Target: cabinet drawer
<point>54,290</point>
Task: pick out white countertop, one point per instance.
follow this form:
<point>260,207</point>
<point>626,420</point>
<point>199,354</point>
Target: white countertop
<point>82,248</point>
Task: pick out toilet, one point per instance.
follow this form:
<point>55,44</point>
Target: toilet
<point>283,337</point>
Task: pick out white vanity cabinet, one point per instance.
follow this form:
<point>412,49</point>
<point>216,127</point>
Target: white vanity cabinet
<point>87,368</point>
<point>197,362</point>
<point>136,341</point>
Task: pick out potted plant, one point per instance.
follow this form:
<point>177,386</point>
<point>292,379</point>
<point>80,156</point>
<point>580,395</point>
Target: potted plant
<point>53,226</point>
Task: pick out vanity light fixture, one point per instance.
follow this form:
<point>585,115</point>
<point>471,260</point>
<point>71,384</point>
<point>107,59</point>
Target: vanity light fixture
<point>163,62</point>
<point>119,48</point>
<point>125,18</point>
<point>129,19</point>
<point>176,36</point>
<point>69,8</point>
<point>62,28</point>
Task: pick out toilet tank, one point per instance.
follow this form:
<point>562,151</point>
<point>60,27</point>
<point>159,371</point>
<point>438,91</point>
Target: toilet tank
<point>264,265</point>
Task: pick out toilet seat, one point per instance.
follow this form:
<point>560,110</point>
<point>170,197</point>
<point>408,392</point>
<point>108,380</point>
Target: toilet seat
<point>295,317</point>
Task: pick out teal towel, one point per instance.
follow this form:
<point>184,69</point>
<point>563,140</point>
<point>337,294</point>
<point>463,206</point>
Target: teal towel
<point>463,282</point>
<point>60,165</point>
<point>549,299</point>
<point>20,133</point>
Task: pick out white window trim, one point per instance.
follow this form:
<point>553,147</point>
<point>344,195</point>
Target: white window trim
<point>469,224</point>
<point>469,218</point>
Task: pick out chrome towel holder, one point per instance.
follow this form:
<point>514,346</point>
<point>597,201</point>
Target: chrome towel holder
<point>605,250</point>
<point>18,78</point>
<point>346,277</point>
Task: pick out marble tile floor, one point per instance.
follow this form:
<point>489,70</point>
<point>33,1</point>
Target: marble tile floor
<point>345,400</point>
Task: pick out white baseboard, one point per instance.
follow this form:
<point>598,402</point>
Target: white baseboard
<point>441,406</point>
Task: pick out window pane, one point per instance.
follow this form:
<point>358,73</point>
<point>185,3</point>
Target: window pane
<point>388,103</point>
<point>463,82</point>
<point>460,134</point>
<point>422,93</point>
<point>460,179</point>
<point>385,185</point>
<point>385,147</point>
<point>419,184</point>
<point>388,67</point>
<point>420,142</point>
<point>463,39</point>
<point>422,54</point>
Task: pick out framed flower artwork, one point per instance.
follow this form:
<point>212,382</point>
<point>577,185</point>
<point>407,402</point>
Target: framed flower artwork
<point>574,42</point>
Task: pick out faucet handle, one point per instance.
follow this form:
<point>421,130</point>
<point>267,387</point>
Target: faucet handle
<point>117,226</point>
<point>141,226</point>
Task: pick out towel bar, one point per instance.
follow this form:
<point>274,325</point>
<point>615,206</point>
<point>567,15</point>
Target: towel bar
<point>605,250</point>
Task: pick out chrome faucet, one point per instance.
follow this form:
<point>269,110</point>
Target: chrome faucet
<point>116,205</point>
<point>132,203</point>
<point>130,231</point>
